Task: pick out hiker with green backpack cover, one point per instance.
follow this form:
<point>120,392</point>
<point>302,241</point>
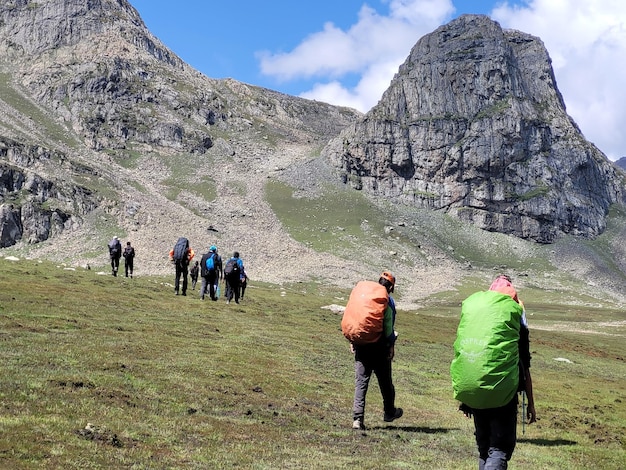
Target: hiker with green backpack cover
<point>491,366</point>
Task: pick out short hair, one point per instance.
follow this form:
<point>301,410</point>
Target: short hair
<point>236,254</point>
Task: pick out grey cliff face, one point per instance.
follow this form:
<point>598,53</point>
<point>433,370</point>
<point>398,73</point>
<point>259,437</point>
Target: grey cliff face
<point>473,124</point>
<point>34,208</point>
<point>85,81</point>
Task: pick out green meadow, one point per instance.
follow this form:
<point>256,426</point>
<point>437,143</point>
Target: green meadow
<point>103,373</point>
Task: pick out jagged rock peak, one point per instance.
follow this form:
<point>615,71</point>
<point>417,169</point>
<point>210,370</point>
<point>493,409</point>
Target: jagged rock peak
<point>473,124</point>
<point>33,27</point>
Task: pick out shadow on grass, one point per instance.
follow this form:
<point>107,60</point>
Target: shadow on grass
<point>420,429</point>
<point>548,442</point>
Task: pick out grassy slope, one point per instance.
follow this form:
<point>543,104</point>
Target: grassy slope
<point>172,382</point>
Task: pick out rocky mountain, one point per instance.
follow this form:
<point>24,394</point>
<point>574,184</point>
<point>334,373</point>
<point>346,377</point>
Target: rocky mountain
<point>104,131</point>
<point>621,163</point>
<point>473,124</point>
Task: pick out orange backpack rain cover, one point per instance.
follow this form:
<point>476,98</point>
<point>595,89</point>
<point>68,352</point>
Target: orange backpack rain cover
<point>362,321</point>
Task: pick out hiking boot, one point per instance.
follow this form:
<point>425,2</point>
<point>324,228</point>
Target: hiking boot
<point>396,414</point>
<point>358,424</point>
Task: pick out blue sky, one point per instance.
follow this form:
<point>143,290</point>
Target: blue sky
<point>346,52</point>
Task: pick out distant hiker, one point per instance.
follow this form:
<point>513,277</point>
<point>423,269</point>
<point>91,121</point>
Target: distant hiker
<point>181,255</point>
<point>368,323</point>
<point>194,272</point>
<point>232,272</point>
<point>243,283</point>
<point>115,253</point>
<point>211,272</point>
<point>491,366</point>
<point>129,257</point>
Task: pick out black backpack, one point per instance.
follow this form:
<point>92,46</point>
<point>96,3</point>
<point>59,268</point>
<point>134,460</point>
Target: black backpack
<point>114,248</point>
<point>180,249</point>
<point>231,270</point>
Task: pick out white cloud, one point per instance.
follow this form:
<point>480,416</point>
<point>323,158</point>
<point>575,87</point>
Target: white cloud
<point>587,43</point>
<point>586,40</point>
<point>373,48</point>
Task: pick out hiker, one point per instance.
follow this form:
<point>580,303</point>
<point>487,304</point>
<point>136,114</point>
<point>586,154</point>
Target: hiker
<point>243,283</point>
<point>368,323</point>
<point>491,366</point>
<point>193,272</point>
<point>115,253</point>
<point>129,257</point>
<point>181,255</point>
<point>232,272</point>
<point>211,272</point>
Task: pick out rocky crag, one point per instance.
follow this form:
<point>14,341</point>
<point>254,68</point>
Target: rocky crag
<point>104,131</point>
<point>473,124</point>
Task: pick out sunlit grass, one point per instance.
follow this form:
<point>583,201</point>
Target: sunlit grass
<point>173,382</point>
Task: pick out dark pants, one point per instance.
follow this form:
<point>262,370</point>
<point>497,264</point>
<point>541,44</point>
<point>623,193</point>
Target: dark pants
<point>232,289</point>
<point>209,283</point>
<point>128,266</point>
<point>496,435</point>
<point>181,270</point>
<point>115,265</point>
<point>242,287</point>
<point>367,359</point>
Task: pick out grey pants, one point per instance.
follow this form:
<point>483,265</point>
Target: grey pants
<point>367,359</point>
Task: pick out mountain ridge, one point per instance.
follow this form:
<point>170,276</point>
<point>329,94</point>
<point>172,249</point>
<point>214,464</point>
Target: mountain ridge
<point>115,135</point>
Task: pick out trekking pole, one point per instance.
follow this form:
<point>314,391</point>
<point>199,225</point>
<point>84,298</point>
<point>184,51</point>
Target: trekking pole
<point>523,412</point>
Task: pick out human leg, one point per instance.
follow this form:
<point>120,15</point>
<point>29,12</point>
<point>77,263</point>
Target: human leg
<point>235,289</point>
<point>177,278</point>
<point>362,374</point>
<point>203,287</point>
<point>385,383</point>
<point>212,280</point>
<point>185,274</point>
<point>496,435</point>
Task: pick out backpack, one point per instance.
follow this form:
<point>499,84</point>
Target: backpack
<point>362,321</point>
<point>114,248</point>
<point>231,270</point>
<point>180,249</point>
<point>485,371</point>
<point>207,264</point>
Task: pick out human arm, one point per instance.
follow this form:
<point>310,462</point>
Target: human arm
<point>524,351</point>
<point>389,332</point>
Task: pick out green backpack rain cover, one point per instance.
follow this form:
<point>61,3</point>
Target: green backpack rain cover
<point>485,370</point>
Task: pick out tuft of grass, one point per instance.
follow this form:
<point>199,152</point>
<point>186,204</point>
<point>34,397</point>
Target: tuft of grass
<point>104,372</point>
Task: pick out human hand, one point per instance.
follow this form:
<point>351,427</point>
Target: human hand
<point>392,352</point>
<point>467,411</point>
<point>531,414</point>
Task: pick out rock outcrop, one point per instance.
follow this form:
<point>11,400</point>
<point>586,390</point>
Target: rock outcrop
<point>87,80</point>
<point>473,124</point>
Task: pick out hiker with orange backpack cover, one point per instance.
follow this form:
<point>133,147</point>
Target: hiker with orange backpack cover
<point>368,323</point>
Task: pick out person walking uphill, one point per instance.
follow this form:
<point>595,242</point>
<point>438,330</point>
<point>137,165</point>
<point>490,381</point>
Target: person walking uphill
<point>232,272</point>
<point>368,324</point>
<point>115,253</point>
<point>194,273</point>
<point>129,258</point>
<point>211,273</point>
<point>491,365</point>
<point>181,255</point>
